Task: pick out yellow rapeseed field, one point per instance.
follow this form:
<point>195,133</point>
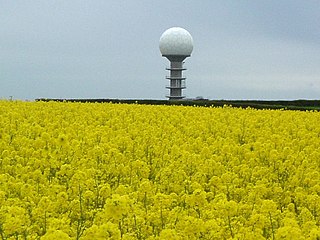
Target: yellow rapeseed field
<point>115,171</point>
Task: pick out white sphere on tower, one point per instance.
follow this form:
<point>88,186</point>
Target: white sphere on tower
<point>176,41</point>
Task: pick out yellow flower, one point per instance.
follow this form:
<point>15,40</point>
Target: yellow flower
<point>56,235</point>
<point>110,171</point>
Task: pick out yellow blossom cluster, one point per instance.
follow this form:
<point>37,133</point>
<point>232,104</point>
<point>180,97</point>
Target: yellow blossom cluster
<point>116,171</point>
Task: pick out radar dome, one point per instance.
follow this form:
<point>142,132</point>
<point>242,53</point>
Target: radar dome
<point>176,41</point>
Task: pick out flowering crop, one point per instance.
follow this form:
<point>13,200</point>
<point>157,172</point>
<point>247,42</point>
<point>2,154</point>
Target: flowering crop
<point>117,171</point>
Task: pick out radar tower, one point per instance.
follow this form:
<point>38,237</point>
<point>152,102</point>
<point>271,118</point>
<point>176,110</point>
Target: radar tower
<point>176,44</point>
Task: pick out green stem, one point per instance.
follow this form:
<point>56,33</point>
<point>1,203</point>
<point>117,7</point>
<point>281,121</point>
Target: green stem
<point>230,227</point>
<point>270,217</point>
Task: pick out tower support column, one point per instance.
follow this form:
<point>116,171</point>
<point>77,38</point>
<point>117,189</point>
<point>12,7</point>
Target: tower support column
<point>177,81</point>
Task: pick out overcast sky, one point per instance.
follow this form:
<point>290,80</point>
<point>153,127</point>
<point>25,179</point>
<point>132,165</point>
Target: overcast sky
<point>110,48</point>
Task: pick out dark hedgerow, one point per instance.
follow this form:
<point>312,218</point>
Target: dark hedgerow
<point>301,104</point>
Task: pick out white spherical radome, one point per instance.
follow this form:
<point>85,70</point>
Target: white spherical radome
<point>176,41</point>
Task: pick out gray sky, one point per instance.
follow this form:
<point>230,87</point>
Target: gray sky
<point>109,49</point>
